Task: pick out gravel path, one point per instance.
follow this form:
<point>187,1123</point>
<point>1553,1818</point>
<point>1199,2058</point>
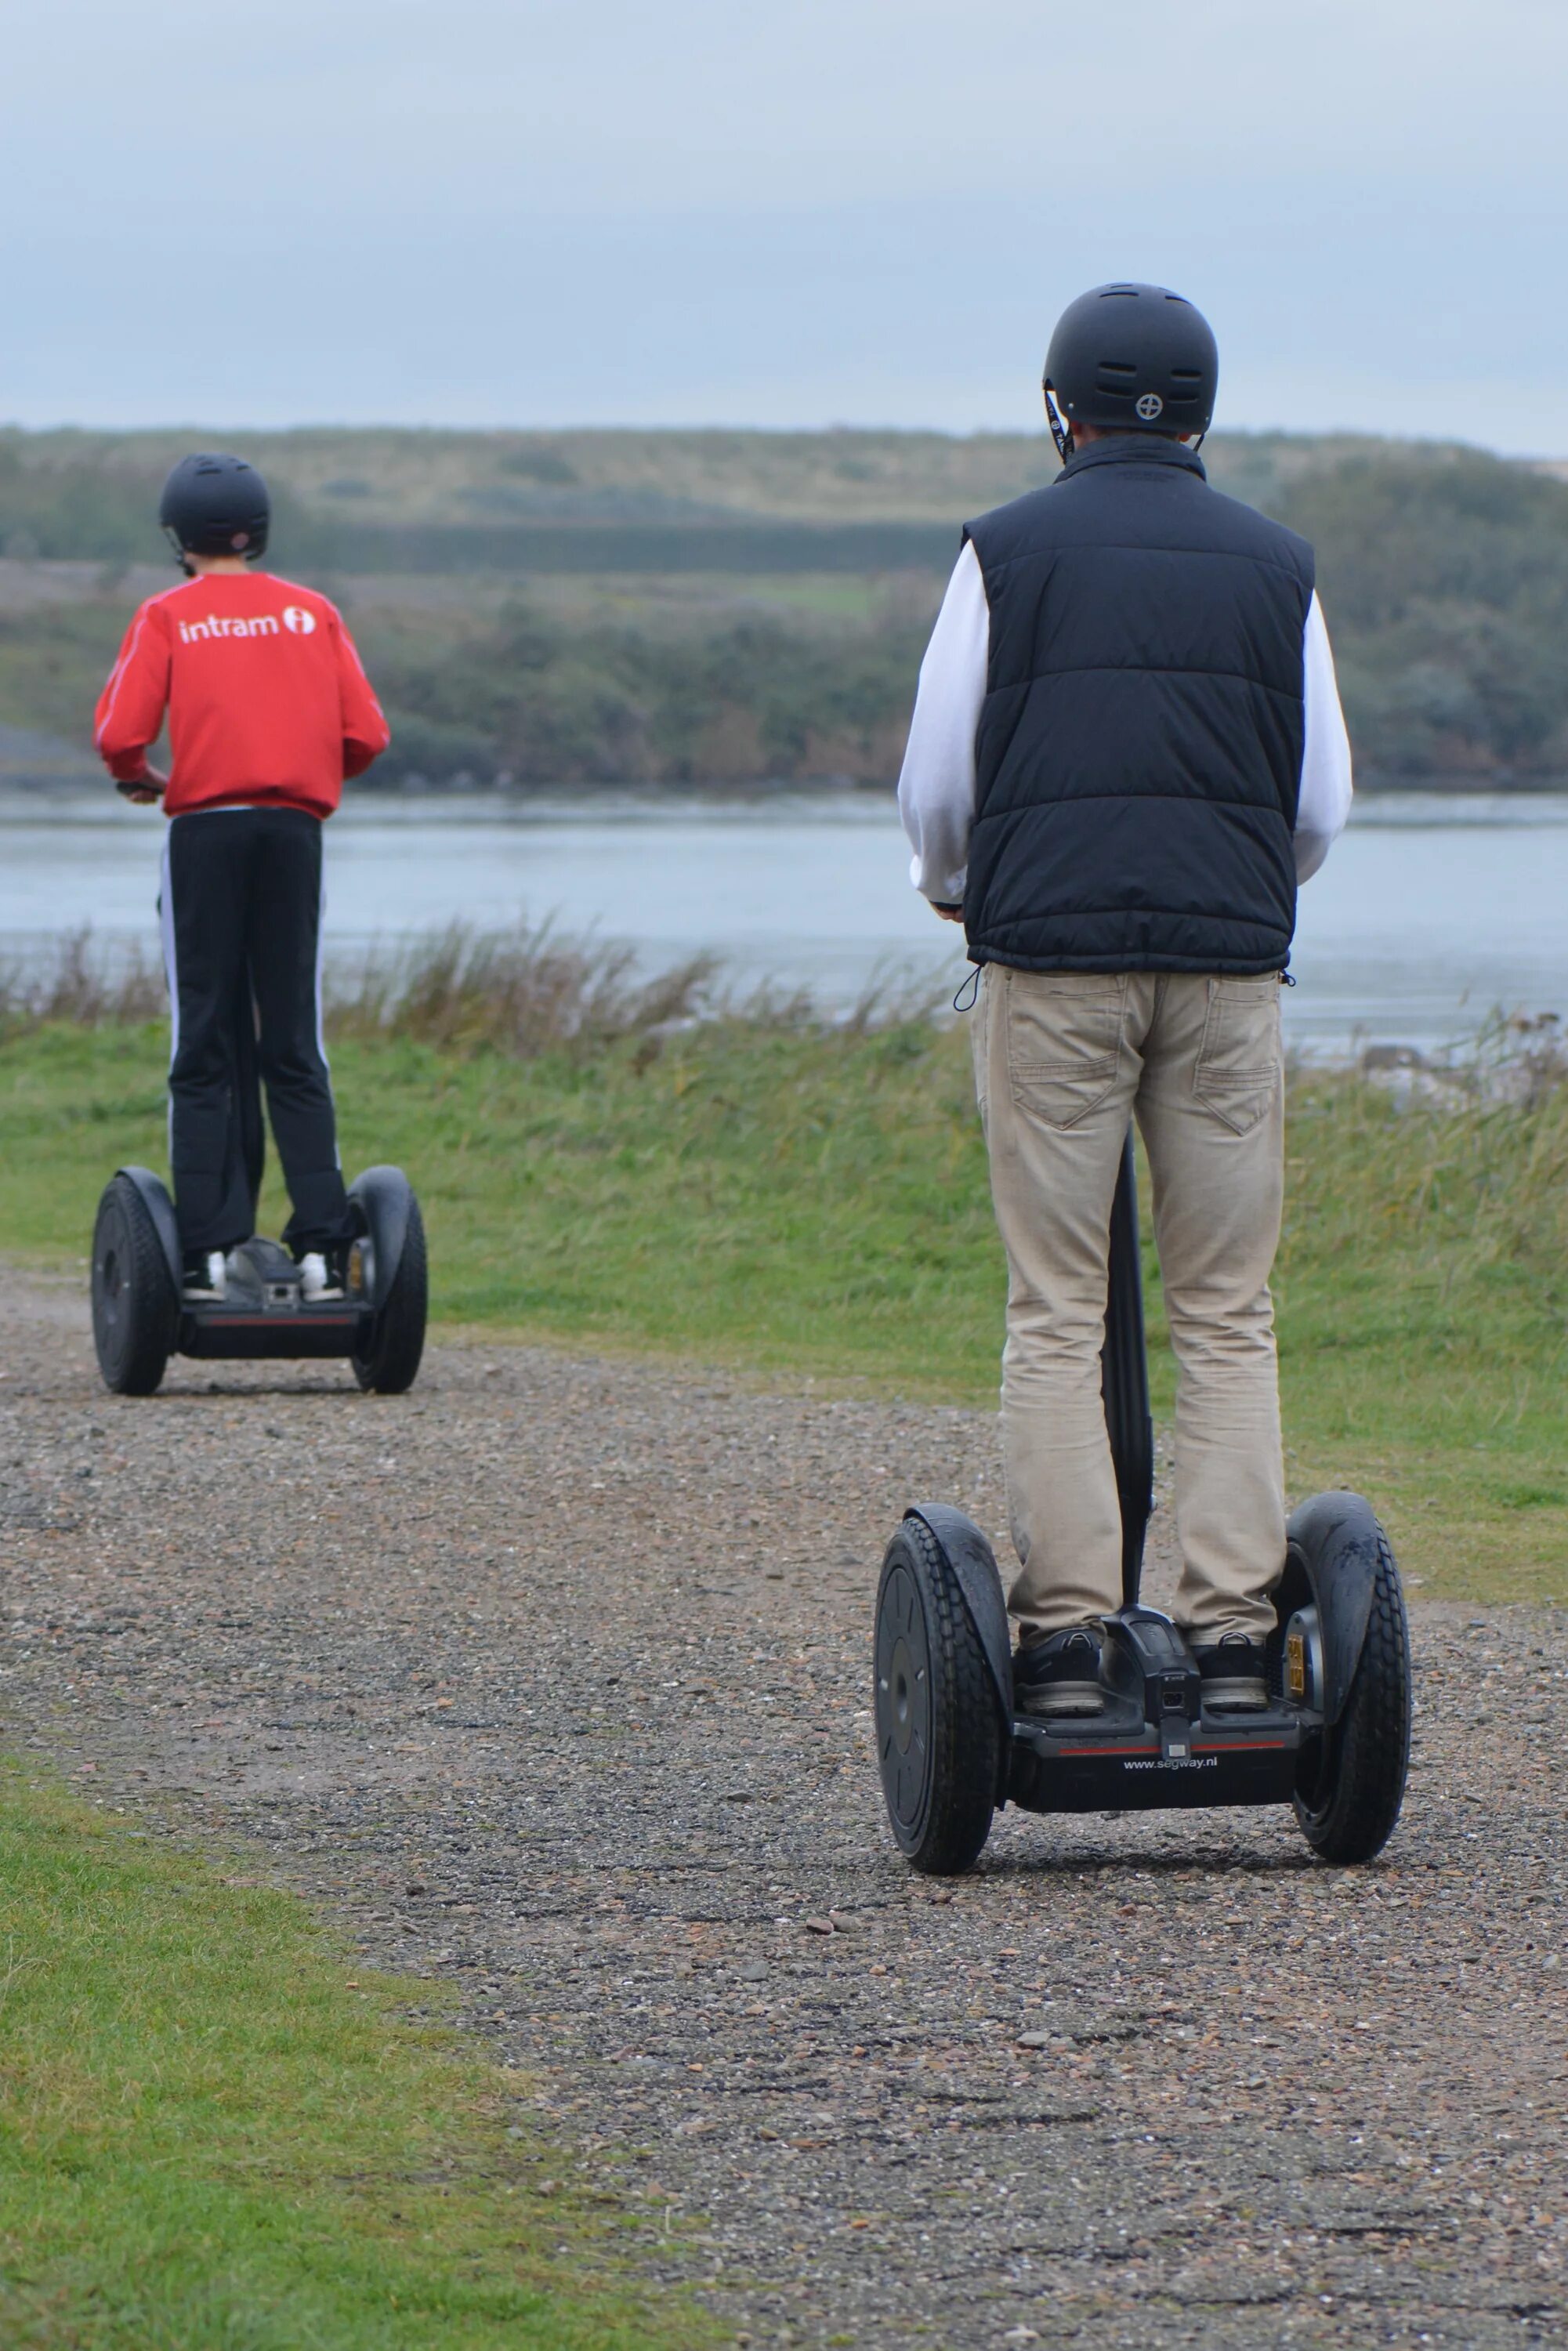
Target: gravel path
<point>552,1678</point>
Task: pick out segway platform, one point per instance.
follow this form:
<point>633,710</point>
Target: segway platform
<point>265,1311</point>
<point>1152,1745</point>
<point>141,1314</point>
<point>1333,1741</point>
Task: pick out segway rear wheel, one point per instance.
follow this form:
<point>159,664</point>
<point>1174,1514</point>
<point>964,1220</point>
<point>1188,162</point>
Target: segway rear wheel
<point>135,1311</point>
<point>387,1360</point>
<point>1349,1814</point>
<point>938,1724</point>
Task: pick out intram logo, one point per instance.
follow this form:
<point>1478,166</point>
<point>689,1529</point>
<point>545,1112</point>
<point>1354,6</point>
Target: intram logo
<point>263,624</point>
<point>298,620</point>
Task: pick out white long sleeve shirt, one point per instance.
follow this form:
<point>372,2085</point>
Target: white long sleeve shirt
<point>937,786</point>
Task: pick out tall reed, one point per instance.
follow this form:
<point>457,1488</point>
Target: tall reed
<point>522,992</point>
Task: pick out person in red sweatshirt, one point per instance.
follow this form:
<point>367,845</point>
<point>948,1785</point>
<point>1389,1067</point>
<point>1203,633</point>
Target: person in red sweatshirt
<point>268,712</point>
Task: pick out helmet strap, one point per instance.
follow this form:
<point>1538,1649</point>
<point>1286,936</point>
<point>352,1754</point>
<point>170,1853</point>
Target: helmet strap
<point>1060,433</point>
<point>182,555</point>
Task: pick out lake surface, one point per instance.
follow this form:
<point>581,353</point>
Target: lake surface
<point>1432,913</point>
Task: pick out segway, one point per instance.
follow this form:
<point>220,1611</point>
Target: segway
<point>142,1314</point>
<point>1333,1740</point>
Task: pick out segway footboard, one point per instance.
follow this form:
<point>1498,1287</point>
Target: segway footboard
<point>264,1315</point>
<point>1152,1747</point>
<point>1052,1772</point>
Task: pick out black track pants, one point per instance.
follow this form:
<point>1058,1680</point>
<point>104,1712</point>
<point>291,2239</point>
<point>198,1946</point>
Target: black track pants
<point>242,920</point>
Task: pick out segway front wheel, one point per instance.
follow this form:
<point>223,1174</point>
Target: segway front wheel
<point>387,1359</point>
<point>938,1725</point>
<point>135,1311</point>
<point>1348,1813</point>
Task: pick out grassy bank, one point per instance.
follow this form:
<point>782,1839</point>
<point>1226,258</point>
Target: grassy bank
<point>809,1203</point>
<point>218,2133</point>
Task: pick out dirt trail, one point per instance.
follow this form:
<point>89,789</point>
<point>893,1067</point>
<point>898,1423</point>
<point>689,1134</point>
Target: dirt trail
<point>552,1678</point>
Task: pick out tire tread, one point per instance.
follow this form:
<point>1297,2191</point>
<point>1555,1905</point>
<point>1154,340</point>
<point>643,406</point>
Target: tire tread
<point>391,1364</point>
<point>1373,1736</point>
<point>966,1727</point>
<point>138,1366</point>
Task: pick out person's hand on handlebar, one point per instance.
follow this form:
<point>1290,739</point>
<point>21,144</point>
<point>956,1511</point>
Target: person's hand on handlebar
<point>147,788</point>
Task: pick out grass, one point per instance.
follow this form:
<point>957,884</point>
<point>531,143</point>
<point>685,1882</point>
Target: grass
<point>218,2138</point>
<point>805,1202</point>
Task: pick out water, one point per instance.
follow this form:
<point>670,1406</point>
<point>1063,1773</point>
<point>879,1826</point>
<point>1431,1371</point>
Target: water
<point>1432,912</point>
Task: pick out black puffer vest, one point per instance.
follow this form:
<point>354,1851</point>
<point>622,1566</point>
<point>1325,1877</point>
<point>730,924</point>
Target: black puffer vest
<point>1139,753</point>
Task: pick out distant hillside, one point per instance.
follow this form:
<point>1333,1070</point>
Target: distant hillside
<point>603,501</point>
<point>743,606</point>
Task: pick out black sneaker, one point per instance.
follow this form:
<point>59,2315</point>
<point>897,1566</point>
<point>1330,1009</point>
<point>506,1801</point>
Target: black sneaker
<point>1235,1673</point>
<point>1060,1675</point>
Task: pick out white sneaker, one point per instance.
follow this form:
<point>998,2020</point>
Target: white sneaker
<point>313,1279</point>
<point>216,1282</point>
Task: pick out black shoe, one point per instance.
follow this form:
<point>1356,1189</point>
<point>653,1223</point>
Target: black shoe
<point>1060,1675</point>
<point>1235,1674</point>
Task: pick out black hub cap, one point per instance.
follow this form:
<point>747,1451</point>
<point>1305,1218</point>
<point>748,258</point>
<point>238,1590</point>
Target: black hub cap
<point>112,1280</point>
<point>904,1699</point>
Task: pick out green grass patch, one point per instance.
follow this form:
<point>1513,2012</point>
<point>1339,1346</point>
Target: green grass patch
<point>218,2136</point>
<point>797,1202</point>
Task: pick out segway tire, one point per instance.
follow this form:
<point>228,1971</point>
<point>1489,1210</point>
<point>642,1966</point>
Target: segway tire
<point>135,1311</point>
<point>389,1361</point>
<point>938,1724</point>
<point>1350,1816</point>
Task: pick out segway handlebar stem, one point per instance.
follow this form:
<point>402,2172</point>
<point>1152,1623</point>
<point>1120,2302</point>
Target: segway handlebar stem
<point>1124,1377</point>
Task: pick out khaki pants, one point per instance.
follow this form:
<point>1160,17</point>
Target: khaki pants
<point>1062,1060</point>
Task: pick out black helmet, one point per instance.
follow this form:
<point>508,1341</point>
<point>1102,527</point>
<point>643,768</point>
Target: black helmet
<point>216,506</point>
<point>1131,359</point>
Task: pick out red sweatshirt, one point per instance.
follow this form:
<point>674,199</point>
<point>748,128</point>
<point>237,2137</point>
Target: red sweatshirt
<point>268,706</point>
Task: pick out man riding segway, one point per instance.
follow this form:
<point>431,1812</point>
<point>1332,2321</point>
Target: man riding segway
<point>269,711</point>
<point>1127,750</point>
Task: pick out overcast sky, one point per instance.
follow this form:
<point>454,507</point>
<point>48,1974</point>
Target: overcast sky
<point>823,211</point>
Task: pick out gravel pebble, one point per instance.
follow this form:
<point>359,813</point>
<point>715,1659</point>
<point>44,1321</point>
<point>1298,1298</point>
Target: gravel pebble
<point>552,1679</point>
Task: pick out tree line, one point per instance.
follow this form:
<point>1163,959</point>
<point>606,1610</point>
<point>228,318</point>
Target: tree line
<point>1444,573</point>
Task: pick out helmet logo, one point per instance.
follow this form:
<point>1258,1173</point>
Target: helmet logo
<point>298,620</point>
<point>240,541</point>
<point>1150,406</point>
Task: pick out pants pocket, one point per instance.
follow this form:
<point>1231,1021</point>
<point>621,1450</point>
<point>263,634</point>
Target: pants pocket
<point>1241,1062</point>
<point>1064,1043</point>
